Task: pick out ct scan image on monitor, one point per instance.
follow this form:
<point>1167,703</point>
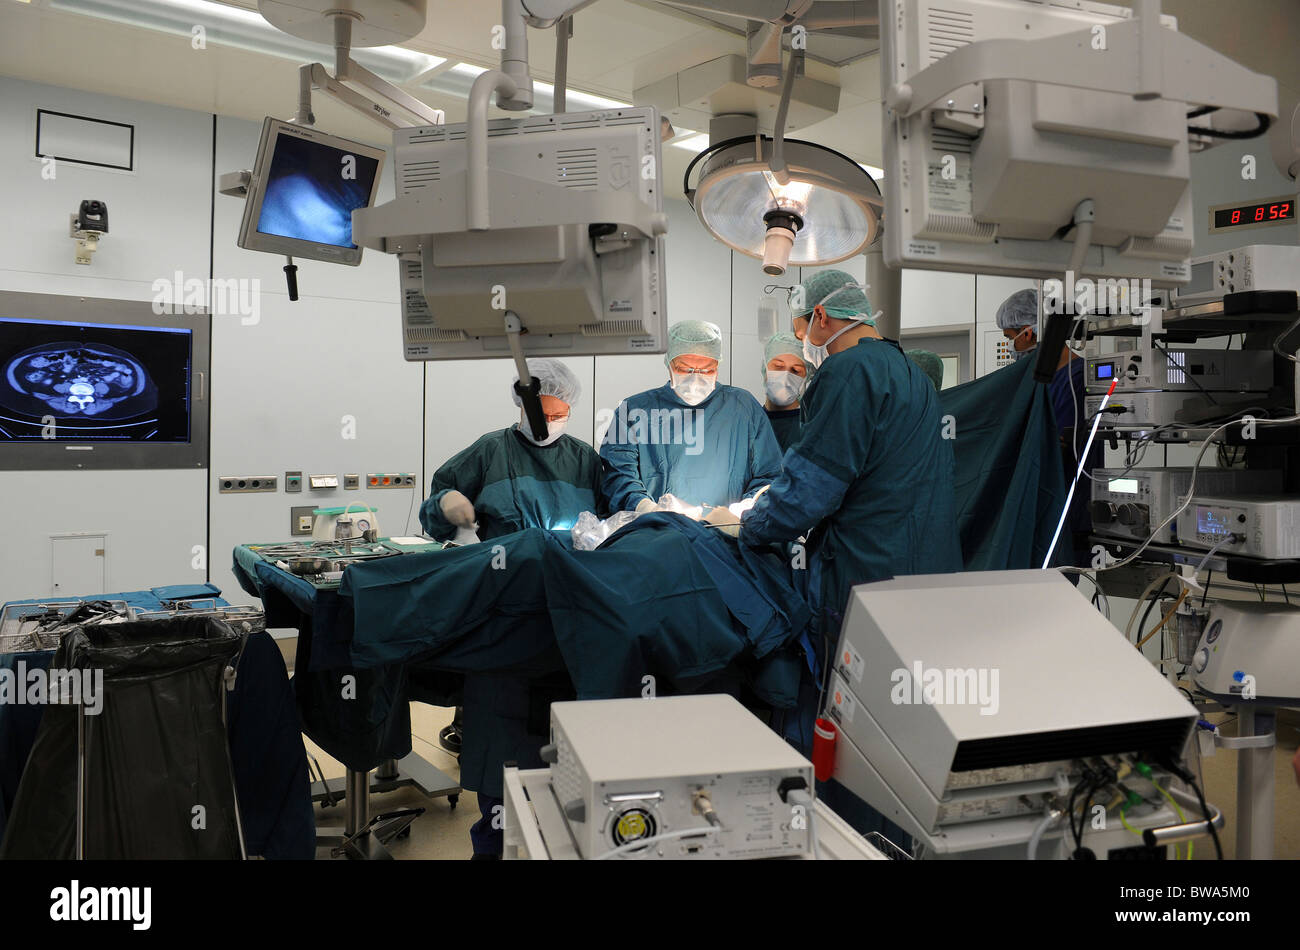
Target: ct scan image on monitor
<point>74,391</point>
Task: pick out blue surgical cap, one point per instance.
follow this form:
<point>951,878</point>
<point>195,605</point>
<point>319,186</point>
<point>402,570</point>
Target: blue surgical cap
<point>694,338</point>
<point>837,291</point>
<point>1019,310</point>
<point>930,364</point>
<point>784,343</point>
<point>557,380</point>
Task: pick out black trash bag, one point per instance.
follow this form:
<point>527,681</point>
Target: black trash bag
<point>157,761</point>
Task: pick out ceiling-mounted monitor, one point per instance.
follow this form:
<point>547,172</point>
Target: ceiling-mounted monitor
<point>304,187</point>
<point>574,245</point>
<point>1013,126</point>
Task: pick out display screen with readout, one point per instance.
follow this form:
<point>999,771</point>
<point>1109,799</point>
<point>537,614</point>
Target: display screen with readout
<point>1275,211</point>
<point>1104,370</point>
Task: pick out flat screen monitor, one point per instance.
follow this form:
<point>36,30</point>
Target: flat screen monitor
<point>304,188</point>
<point>101,384</point>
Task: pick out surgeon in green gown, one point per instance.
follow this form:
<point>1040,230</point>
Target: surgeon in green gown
<point>869,482</point>
<point>702,441</point>
<point>509,480</point>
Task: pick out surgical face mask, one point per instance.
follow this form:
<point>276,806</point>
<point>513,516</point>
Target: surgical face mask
<point>553,429</point>
<point>813,354</point>
<point>784,388</point>
<point>1018,355</point>
<point>693,388</point>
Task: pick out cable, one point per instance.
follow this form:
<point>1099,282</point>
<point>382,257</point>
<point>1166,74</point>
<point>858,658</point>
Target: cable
<point>1191,489</point>
<point>1210,553</point>
<point>1050,817</point>
<point>1164,620</point>
<point>800,796</point>
<point>1162,580</point>
<point>1282,336</point>
<point>1190,780</point>
<point>1263,121</point>
<point>654,839</point>
<point>1186,371</point>
<point>1074,483</point>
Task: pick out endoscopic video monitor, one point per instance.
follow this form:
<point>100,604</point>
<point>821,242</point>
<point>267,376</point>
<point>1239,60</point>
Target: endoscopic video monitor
<point>304,188</point>
<point>101,384</point>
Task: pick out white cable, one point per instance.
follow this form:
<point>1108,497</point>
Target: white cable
<point>802,797</point>
<point>1142,599</point>
<point>1210,553</point>
<point>1070,494</point>
<point>1187,500</point>
<point>646,842</point>
<point>1050,818</point>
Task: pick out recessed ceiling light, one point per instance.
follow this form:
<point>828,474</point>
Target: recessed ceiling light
<point>245,29</point>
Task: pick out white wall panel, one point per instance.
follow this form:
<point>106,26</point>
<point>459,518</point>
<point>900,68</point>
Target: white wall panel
<point>158,218</point>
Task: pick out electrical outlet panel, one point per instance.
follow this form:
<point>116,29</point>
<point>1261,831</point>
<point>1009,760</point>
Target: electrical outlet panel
<point>390,480</point>
<point>322,482</point>
<point>293,481</point>
<point>301,520</point>
<point>232,484</point>
<point>351,482</point>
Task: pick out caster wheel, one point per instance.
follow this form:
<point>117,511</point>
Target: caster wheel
<point>452,800</point>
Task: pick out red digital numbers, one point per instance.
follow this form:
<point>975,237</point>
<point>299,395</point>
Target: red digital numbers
<point>1255,214</point>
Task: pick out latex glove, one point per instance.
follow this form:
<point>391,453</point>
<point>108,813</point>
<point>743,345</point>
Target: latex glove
<point>741,507</point>
<point>458,509</point>
<point>724,520</point>
<point>466,536</point>
<point>670,502</point>
<point>644,505</point>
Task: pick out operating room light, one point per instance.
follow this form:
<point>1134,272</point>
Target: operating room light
<point>828,211</point>
<point>245,29</point>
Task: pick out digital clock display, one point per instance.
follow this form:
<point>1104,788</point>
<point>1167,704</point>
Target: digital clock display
<point>1256,214</point>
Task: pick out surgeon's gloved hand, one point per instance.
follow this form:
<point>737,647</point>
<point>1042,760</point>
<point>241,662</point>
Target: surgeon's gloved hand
<point>458,509</point>
<point>670,502</point>
<point>724,520</point>
<point>644,505</point>
<point>740,507</point>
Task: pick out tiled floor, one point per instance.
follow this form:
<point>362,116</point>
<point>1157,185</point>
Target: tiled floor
<point>441,832</point>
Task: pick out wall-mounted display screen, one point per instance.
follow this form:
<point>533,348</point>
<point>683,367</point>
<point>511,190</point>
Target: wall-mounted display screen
<point>304,188</point>
<point>88,383</point>
<point>93,382</point>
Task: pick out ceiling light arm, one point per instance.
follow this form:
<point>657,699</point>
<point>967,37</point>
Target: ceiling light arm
<point>1156,62</point>
<point>379,104</point>
<point>779,170</point>
<point>563,30</point>
<point>494,81</point>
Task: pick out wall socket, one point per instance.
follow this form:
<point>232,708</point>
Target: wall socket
<point>230,484</point>
<point>300,520</point>
<point>293,481</point>
<point>390,480</point>
<point>351,482</point>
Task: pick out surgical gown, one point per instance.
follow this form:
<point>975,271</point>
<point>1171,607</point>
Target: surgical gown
<point>786,426</point>
<point>715,453</point>
<point>515,484</point>
<point>871,477</point>
<point>870,481</point>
